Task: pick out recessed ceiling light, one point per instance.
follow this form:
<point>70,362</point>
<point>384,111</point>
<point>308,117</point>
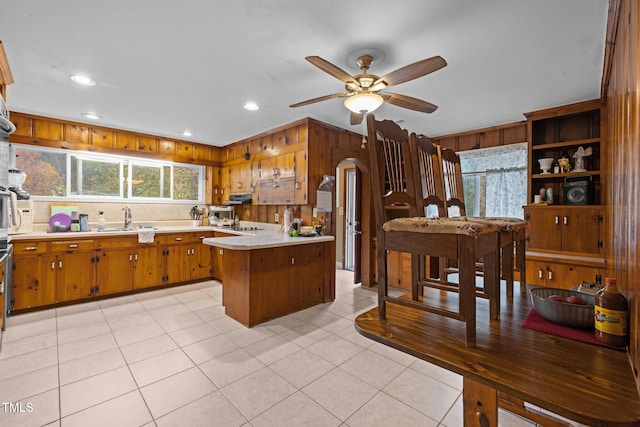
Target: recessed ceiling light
<point>186,133</point>
<point>82,80</point>
<point>251,106</point>
<point>92,116</point>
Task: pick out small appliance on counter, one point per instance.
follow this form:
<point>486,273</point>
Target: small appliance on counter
<point>21,217</point>
<point>221,215</point>
<point>16,179</point>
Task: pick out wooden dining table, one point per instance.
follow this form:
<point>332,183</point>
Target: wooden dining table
<point>511,365</point>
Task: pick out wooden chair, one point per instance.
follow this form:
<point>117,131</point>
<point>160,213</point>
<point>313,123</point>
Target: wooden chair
<point>401,226</point>
<point>512,230</point>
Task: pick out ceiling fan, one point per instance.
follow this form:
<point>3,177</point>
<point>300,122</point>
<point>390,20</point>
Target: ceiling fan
<point>362,91</point>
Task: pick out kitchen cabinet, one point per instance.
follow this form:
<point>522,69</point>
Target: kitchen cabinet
<point>565,237</point>
<point>263,284</point>
<point>306,276</point>
<point>565,229</point>
<point>187,258</point>
<point>217,259</point>
<point>148,266</point>
<point>114,267</point>
<point>33,275</point>
<point>201,256</point>
<point>563,275</point>
<point>277,180</point>
<point>65,270</point>
<point>74,267</point>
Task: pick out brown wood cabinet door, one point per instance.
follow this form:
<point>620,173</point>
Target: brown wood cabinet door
<point>536,273</point>
<point>581,230</point>
<point>269,281</point>
<point>201,261</point>
<point>75,276</point>
<point>114,271</point>
<point>306,278</point>
<point>566,276</point>
<point>301,187</point>
<point>544,230</point>
<point>34,281</point>
<point>148,267</point>
<point>178,263</point>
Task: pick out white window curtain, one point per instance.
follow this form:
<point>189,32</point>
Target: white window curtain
<point>505,169</point>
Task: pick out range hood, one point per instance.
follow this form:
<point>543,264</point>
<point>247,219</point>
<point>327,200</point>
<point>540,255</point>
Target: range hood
<point>238,199</point>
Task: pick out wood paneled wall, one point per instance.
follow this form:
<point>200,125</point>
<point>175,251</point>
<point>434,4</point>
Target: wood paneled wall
<point>510,133</point>
<point>623,159</point>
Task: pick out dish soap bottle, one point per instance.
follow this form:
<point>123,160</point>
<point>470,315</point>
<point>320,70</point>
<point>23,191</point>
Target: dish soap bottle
<point>611,315</point>
<point>101,221</point>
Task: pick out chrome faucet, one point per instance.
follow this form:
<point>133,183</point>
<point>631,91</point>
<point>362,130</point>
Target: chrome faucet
<point>127,217</point>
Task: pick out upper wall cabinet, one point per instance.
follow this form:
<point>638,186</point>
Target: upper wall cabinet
<point>56,133</point>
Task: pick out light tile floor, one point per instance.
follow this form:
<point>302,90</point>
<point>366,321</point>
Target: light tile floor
<point>172,357</point>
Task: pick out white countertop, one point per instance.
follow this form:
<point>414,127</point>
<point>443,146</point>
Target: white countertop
<point>266,236</point>
<point>262,239</point>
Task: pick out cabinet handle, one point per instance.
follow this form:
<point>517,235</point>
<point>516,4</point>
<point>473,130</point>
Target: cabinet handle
<point>293,260</point>
<point>53,265</point>
<point>73,245</point>
<point>60,264</point>
<point>136,257</point>
<point>178,239</point>
<point>540,276</point>
<point>31,248</point>
<point>565,220</point>
<point>557,220</point>
<point>130,257</point>
<point>550,274</point>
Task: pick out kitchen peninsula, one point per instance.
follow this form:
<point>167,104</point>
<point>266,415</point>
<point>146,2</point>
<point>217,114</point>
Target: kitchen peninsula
<point>269,274</point>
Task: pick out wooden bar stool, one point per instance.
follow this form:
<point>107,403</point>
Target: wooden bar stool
<point>401,226</point>
<point>512,230</point>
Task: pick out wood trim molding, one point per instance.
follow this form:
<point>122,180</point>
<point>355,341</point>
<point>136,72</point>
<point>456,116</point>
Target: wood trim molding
<point>613,20</point>
<point>6,78</point>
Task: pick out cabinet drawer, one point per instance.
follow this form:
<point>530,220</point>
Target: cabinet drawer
<point>72,245</point>
<point>30,247</point>
<point>120,242</point>
<point>197,237</point>
<point>176,238</point>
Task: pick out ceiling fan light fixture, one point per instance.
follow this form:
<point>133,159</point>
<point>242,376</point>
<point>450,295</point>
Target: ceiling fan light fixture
<point>363,102</point>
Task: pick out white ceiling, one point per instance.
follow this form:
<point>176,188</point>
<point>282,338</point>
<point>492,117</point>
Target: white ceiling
<point>162,66</point>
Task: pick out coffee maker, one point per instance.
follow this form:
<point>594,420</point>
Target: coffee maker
<point>16,179</point>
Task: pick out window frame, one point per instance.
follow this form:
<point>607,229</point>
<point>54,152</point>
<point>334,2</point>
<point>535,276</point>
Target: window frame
<point>127,162</point>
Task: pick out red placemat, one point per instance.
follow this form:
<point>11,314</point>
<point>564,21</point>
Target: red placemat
<point>539,323</point>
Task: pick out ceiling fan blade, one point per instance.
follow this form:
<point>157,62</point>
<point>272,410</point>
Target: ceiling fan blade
<point>356,118</point>
<point>410,72</point>
<point>319,99</point>
<point>333,70</point>
<point>409,102</point>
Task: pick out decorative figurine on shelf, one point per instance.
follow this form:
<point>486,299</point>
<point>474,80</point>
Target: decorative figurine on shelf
<point>563,161</point>
<point>579,155</point>
<point>545,165</point>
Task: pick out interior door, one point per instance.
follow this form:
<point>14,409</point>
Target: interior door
<point>350,220</point>
<point>353,232</point>
<point>357,244</point>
